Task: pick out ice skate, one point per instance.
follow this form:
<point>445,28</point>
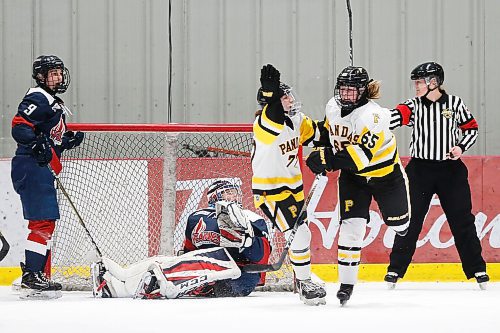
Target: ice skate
<point>99,284</point>
<point>35,285</point>
<point>310,292</point>
<point>344,293</point>
<point>482,279</point>
<point>391,278</point>
<point>149,287</point>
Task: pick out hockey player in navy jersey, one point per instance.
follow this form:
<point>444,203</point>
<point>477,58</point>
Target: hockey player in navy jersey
<point>218,240</point>
<point>39,128</point>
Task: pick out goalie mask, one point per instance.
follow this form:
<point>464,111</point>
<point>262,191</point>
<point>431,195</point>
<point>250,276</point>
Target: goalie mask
<point>351,90</point>
<point>41,67</point>
<point>224,190</point>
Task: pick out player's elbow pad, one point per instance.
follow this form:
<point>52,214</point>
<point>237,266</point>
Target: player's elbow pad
<point>23,134</point>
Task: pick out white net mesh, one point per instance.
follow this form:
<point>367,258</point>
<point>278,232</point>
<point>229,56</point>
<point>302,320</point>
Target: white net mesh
<point>135,190</point>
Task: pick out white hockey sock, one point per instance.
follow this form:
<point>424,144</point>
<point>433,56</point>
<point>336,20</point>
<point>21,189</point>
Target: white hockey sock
<point>352,232</point>
<point>300,254</point>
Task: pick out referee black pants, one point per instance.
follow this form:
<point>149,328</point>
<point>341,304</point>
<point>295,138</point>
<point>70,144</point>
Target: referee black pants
<point>449,180</point>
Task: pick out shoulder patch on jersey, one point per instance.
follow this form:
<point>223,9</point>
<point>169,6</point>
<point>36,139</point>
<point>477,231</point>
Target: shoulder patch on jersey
<point>50,99</point>
<point>447,113</point>
<point>372,116</point>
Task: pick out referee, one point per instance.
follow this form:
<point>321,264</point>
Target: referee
<point>442,130</point>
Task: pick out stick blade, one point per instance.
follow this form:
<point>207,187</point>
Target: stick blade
<point>5,248</point>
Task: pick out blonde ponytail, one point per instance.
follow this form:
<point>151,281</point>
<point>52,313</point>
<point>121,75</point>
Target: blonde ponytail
<point>373,90</point>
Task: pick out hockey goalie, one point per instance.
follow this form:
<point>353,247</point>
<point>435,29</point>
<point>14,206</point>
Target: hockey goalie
<point>218,240</point>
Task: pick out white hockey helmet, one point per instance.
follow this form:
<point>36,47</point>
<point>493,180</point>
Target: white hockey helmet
<point>224,190</point>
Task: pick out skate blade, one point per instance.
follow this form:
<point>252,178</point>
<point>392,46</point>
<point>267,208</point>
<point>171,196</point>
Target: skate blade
<point>16,285</point>
<point>391,285</point>
<point>39,294</point>
<point>483,285</point>
<point>343,302</point>
<point>313,301</point>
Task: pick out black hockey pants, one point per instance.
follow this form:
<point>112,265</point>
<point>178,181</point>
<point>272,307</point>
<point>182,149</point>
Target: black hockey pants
<point>449,180</point>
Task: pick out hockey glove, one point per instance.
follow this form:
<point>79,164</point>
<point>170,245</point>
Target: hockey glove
<point>320,160</point>
<point>42,150</point>
<point>270,84</point>
<point>71,139</point>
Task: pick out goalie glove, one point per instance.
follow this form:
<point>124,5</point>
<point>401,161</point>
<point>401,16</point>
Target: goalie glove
<point>235,228</point>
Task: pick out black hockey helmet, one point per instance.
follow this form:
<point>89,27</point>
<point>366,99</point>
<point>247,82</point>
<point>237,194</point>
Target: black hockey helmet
<point>355,77</point>
<point>428,70</point>
<point>41,67</point>
<point>285,89</point>
<point>217,189</point>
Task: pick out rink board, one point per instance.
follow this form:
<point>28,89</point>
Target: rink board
<point>435,247</point>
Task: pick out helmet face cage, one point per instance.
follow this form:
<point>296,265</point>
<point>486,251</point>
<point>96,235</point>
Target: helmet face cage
<point>355,80</point>
<point>41,67</point>
<point>224,190</point>
<point>296,104</point>
<point>428,71</point>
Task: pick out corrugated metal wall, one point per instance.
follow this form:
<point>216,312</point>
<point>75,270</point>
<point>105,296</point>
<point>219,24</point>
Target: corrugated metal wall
<point>118,53</point>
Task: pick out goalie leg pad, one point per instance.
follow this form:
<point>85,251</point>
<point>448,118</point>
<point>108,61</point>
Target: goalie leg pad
<point>191,271</point>
<point>300,254</point>
<point>351,234</point>
<point>112,280</point>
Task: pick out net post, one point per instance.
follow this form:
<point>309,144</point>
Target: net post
<point>169,194</point>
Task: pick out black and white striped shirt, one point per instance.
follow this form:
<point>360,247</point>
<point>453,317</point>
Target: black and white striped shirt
<point>437,126</point>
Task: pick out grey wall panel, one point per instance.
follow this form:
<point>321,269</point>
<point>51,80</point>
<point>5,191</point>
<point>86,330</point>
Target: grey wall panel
<point>92,76</point>
<point>157,103</point>
<point>129,47</point>
<point>240,58</point>
<point>16,32</point>
<point>204,75</point>
<point>491,92</point>
<point>117,51</point>
<point>314,55</point>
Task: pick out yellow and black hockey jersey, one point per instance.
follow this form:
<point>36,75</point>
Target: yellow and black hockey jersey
<point>275,155</point>
<point>363,137</point>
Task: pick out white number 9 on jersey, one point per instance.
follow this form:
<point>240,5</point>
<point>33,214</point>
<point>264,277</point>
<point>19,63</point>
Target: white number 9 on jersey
<point>30,109</point>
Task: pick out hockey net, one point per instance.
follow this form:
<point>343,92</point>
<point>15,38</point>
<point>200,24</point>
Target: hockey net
<point>135,186</point>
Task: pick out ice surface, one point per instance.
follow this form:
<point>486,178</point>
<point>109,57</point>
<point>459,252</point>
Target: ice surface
<point>411,307</point>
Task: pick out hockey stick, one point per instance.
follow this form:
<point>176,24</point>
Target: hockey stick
<point>80,219</point>
<point>259,268</point>
<point>350,30</point>
<point>203,152</point>
<point>5,247</point>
